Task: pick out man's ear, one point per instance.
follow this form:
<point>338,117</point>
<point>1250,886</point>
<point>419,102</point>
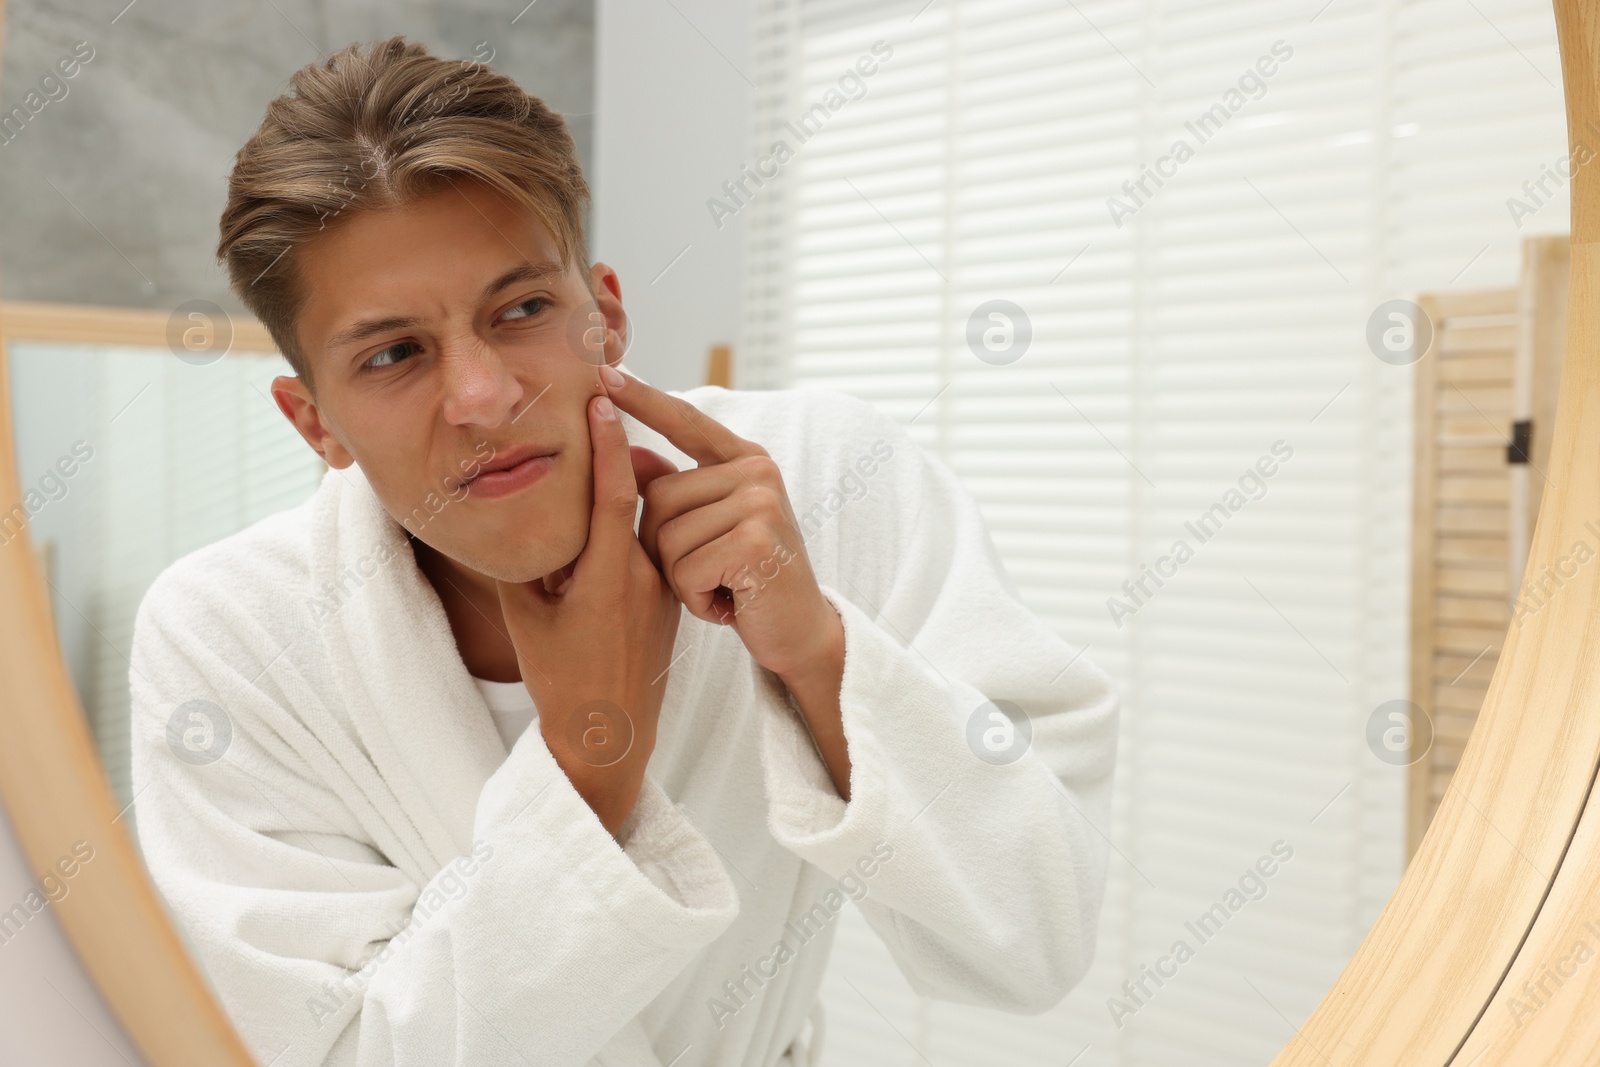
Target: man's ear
<point>607,289</point>
<point>300,408</point>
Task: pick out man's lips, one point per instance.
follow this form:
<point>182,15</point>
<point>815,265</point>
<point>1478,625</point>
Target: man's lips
<point>506,472</point>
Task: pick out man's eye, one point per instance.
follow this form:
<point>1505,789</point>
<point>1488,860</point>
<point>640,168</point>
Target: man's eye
<point>512,314</point>
<point>378,360</point>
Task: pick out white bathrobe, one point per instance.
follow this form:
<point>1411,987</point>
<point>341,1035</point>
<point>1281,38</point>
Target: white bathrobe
<point>369,877</point>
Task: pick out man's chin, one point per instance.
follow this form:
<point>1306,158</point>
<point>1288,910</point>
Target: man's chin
<point>525,564</point>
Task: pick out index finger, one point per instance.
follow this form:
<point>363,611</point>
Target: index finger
<point>616,496</point>
<point>691,431</point>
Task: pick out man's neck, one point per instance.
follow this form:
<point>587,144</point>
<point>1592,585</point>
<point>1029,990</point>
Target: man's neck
<point>472,604</point>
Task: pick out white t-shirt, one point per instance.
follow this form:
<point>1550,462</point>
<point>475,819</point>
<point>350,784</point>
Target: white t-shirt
<point>511,705</point>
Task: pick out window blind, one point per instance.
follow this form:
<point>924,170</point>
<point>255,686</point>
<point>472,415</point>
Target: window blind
<point>1192,312</point>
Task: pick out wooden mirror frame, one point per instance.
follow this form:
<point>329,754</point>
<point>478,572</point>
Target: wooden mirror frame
<point>1494,897</point>
<point>52,783</point>
<point>1494,889</point>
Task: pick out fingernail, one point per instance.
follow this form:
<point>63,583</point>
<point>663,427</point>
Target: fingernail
<point>612,377</point>
<point>604,409</point>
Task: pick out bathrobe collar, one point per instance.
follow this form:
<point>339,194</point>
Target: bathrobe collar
<point>410,699</point>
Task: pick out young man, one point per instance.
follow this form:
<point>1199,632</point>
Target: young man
<point>471,758</point>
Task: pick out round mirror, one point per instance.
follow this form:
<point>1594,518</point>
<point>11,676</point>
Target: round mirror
<point>1087,560</point>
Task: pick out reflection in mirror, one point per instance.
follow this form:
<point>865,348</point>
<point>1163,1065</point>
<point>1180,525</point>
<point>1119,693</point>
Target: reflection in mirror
<point>129,459</point>
<point>1075,711</point>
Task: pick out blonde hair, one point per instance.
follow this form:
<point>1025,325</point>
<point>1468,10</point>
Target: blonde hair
<point>378,128</point>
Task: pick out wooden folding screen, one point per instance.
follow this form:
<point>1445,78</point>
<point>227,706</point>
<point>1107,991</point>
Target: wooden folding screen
<point>1485,402</point>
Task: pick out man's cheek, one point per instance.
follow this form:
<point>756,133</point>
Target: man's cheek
<point>471,467</point>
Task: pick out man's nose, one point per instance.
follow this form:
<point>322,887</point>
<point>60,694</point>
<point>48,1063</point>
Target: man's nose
<point>479,387</point>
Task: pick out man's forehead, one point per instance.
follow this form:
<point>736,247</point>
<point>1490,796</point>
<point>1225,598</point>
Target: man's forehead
<point>345,289</point>
<point>466,228</point>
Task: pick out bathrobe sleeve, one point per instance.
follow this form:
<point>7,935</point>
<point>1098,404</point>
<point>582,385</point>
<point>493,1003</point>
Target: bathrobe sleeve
<point>983,848</point>
<point>539,945</point>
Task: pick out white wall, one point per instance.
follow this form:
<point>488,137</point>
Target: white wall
<point>671,105</point>
<point>49,1010</point>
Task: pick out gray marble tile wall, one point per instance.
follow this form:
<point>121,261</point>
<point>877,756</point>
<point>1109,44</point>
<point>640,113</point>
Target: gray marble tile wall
<point>112,179</point>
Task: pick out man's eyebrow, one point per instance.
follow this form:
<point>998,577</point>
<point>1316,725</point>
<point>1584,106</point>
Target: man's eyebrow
<point>523,272</point>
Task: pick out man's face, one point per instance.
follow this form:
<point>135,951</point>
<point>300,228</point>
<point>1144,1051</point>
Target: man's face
<point>483,371</point>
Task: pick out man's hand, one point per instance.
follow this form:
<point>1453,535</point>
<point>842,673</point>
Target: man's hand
<point>725,538</point>
<point>595,640</point>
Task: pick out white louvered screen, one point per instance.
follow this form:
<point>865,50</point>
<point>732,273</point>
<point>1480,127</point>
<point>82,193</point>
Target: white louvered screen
<point>182,455</point>
<point>1168,355</point>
